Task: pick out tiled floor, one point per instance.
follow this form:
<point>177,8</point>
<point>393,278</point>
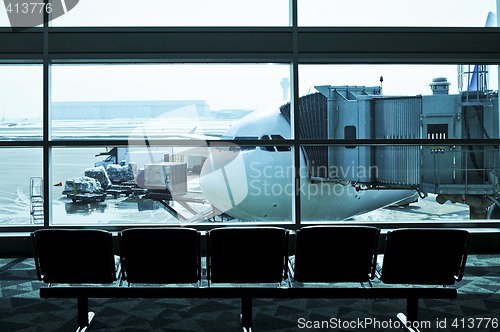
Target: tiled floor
<point>21,309</point>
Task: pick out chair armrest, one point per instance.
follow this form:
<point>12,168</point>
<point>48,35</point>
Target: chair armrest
<point>291,272</point>
<point>464,260</point>
<point>35,257</point>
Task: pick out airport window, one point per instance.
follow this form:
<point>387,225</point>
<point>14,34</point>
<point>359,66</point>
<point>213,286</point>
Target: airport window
<point>350,134</point>
<point>443,183</point>
<point>175,13</point>
<point>269,148</point>
<point>159,101</point>
<point>21,102</point>
<point>162,184</point>
<point>426,13</point>
<point>181,109</point>
<point>22,186</point>
<point>461,103</point>
<point>423,103</point>
<point>154,184</point>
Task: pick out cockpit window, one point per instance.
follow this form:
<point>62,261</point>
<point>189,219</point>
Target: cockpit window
<point>267,147</point>
<point>224,148</point>
<point>243,147</point>
<point>280,148</point>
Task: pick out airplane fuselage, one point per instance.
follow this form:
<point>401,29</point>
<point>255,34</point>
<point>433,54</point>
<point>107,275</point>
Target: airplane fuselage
<point>257,183</point>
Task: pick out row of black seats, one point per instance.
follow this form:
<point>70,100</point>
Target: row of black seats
<point>251,255</point>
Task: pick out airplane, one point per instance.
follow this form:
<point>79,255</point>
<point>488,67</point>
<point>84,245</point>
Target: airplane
<point>255,183</point>
<point>252,183</point>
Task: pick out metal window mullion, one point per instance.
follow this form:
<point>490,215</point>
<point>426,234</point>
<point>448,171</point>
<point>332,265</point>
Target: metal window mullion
<point>294,114</point>
<point>46,120</point>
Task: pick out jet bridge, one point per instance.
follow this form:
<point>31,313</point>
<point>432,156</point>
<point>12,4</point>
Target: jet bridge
<point>466,174</point>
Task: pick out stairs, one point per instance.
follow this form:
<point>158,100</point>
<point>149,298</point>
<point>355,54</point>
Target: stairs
<point>36,198</point>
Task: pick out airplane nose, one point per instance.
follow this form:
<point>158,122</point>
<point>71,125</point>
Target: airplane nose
<point>223,178</point>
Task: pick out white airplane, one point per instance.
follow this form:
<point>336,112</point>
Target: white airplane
<point>255,183</point>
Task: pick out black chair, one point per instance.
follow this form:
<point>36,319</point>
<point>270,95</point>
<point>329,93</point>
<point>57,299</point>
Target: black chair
<point>335,254</point>
<point>78,256</point>
<point>425,256</point>
<point>252,255</point>
<point>74,256</point>
<point>160,255</point>
<point>247,255</point>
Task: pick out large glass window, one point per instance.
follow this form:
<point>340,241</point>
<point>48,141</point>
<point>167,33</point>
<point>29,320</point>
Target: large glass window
<point>425,13</point>
<point>161,101</point>
<point>251,183</point>
<point>21,192</point>
<point>394,183</point>
<point>150,105</point>
<point>21,102</point>
<point>397,80</point>
<point>131,142</point>
<point>409,103</point>
<point>176,13</point>
<point>193,181</point>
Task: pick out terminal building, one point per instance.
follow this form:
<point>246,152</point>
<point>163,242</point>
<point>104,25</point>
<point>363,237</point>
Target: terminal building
<point>128,109</point>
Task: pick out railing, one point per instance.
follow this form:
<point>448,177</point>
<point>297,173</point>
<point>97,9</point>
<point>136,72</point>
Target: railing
<point>36,200</point>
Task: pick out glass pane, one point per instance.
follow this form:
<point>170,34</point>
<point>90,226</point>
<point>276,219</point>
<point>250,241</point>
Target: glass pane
<point>399,183</point>
<point>161,184</point>
<point>398,80</point>
<point>398,102</point>
<point>21,102</point>
<point>425,13</point>
<point>175,13</point>
<point>85,193</point>
<point>21,200</point>
<point>161,101</point>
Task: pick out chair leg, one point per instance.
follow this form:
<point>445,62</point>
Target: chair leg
<point>246,313</point>
<point>85,316</point>
<point>412,309</point>
<point>412,312</point>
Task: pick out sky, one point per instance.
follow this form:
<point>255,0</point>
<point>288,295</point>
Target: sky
<point>232,86</point>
